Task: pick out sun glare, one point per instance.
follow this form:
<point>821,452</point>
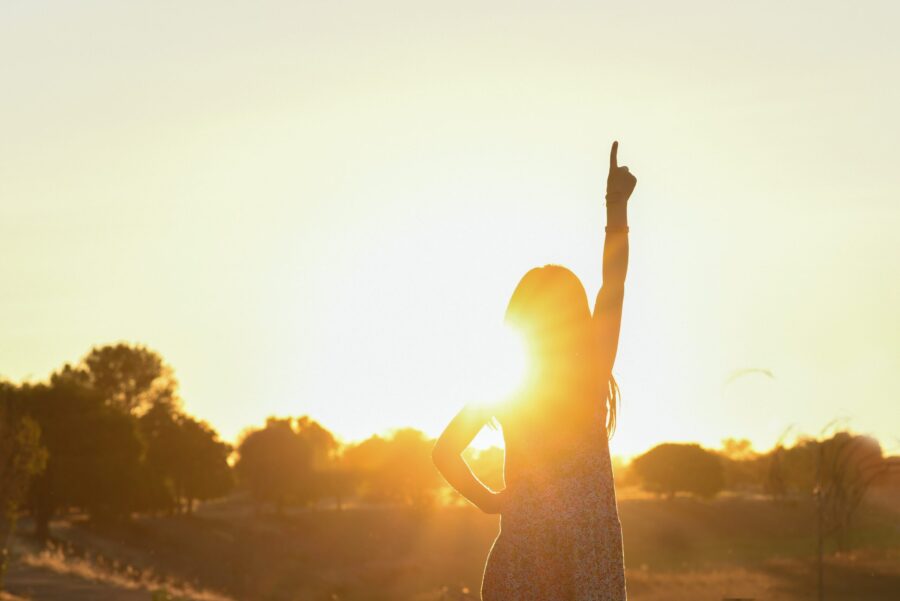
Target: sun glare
<point>503,358</point>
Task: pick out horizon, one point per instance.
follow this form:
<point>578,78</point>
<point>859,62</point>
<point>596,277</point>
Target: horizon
<point>329,217</point>
<point>492,439</point>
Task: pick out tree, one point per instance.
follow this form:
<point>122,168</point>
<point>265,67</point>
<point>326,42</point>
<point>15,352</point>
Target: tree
<point>94,452</point>
<point>204,472</point>
<point>116,440</point>
<point>670,468</point>
<point>741,464</point>
<point>846,466</point>
<point>21,457</point>
<point>326,477</point>
<point>409,470</point>
<point>185,460</point>
<point>321,442</point>
<point>161,434</point>
<point>274,463</point>
<point>738,449</point>
<point>396,469</point>
<point>337,482</point>
<point>132,378</point>
<point>292,460</point>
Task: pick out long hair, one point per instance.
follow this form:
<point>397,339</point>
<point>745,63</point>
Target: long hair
<point>613,398</point>
<point>550,307</point>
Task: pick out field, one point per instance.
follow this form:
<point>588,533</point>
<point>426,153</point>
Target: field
<point>676,550</point>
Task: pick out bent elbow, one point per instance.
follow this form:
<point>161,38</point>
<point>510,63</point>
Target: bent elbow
<point>442,457</point>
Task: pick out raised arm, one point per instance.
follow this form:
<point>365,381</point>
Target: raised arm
<point>447,455</point>
<point>608,308</point>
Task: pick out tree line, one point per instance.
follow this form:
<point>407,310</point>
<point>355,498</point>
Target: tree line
<point>296,461</point>
<point>108,437</point>
<point>811,466</point>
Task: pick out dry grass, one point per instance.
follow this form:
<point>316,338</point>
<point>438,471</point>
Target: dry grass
<point>733,583</point>
<point>846,579</point>
<point>675,551</point>
<point>117,576</point>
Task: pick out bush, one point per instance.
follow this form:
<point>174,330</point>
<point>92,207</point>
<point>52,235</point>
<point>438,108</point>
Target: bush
<point>670,468</point>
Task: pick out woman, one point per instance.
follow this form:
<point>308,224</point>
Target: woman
<point>560,537</point>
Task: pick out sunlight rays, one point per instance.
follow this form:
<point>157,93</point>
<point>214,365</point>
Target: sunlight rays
<point>503,363</point>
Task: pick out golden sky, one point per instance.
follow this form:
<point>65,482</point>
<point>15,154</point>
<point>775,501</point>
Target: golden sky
<point>323,208</point>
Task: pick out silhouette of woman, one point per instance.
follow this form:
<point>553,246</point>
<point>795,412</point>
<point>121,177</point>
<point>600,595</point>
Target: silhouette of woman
<point>560,536</point>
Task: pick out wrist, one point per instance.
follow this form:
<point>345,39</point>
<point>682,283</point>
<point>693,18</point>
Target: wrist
<point>617,214</point>
<point>490,503</point>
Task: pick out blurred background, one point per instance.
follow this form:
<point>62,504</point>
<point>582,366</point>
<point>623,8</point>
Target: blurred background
<point>256,255</point>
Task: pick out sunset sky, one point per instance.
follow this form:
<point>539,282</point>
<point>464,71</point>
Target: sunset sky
<point>323,208</point>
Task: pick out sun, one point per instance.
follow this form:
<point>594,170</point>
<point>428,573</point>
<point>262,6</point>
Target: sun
<point>503,360</point>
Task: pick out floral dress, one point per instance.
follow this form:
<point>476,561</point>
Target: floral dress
<point>560,536</point>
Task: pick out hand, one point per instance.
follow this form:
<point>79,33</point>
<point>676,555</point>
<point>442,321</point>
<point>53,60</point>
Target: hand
<point>496,502</point>
<point>620,183</point>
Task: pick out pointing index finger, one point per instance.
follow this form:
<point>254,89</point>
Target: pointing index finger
<point>613,156</point>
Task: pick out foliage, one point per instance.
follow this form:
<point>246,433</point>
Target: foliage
<point>94,452</point>
<point>810,463</point>
<point>21,457</point>
<point>185,460</point>
<point>321,442</point>
<point>396,469</point>
<point>21,453</point>
<point>743,469</point>
<point>671,467</point>
<point>846,466</point>
<point>117,441</point>
<point>131,378</point>
<point>275,463</point>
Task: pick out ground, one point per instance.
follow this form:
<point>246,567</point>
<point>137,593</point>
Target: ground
<point>680,549</point>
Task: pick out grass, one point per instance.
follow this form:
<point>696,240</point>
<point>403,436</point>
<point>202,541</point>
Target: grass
<point>675,550</point>
<point>118,576</point>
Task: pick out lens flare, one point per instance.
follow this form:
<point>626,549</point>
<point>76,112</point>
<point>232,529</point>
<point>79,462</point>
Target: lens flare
<point>503,359</point>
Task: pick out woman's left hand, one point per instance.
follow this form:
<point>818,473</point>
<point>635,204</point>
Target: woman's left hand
<point>496,502</point>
